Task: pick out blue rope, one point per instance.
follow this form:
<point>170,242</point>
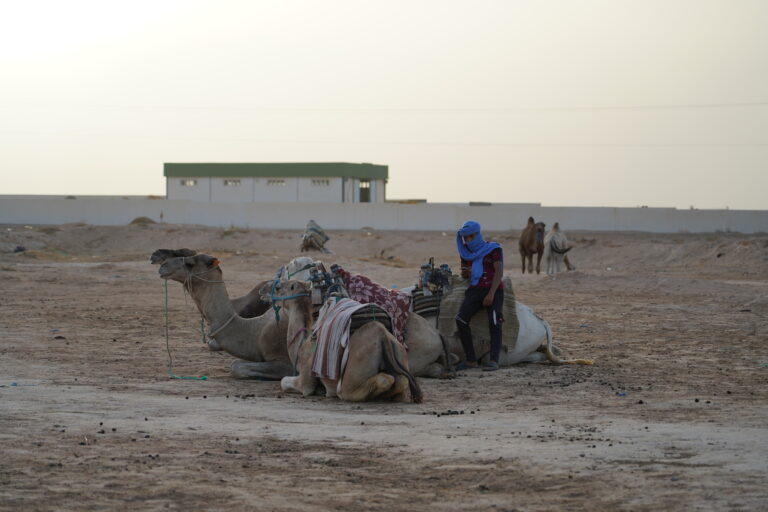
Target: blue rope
<point>275,299</point>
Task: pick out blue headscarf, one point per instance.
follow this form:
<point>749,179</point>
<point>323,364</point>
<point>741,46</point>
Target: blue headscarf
<point>475,250</point>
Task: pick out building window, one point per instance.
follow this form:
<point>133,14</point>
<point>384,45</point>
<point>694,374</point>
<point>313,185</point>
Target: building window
<point>321,183</point>
<point>188,183</point>
<point>365,191</point>
<point>276,183</point>
<point>231,183</point>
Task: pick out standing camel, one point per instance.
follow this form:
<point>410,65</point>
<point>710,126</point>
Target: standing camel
<point>376,365</point>
<point>259,342</point>
<point>532,242</point>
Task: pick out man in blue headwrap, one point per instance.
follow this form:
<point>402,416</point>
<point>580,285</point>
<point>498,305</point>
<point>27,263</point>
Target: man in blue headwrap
<point>482,262</point>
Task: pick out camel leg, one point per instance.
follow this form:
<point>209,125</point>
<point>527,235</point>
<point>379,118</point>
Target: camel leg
<point>555,350</point>
<point>330,386</point>
<point>433,371</point>
<point>299,384</point>
<point>274,370</point>
<point>290,384</point>
<point>399,390</point>
<point>568,263</point>
<point>530,263</point>
<point>367,390</point>
<point>522,255</point>
<point>535,357</point>
<point>538,261</point>
<point>363,378</point>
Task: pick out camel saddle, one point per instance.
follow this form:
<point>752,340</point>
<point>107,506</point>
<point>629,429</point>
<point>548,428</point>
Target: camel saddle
<point>425,305</point>
<point>369,313</point>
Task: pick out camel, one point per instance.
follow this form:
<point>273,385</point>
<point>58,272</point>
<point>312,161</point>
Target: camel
<point>532,242</point>
<point>555,249</point>
<point>427,355</point>
<point>249,305</point>
<point>534,337</point>
<point>376,364</point>
<point>258,342</point>
<point>314,238</point>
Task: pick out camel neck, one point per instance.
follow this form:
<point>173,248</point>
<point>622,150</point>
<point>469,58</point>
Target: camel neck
<point>299,327</point>
<point>212,300</point>
<point>236,335</point>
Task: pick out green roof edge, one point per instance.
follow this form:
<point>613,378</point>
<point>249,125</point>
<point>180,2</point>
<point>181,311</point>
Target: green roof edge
<point>279,170</point>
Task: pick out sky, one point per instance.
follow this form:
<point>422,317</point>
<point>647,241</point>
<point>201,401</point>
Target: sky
<point>564,103</point>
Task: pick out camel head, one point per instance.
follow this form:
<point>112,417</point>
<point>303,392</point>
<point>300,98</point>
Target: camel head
<point>298,268</point>
<point>185,269</point>
<point>293,295</point>
<point>286,290</point>
<point>160,255</point>
<point>265,292</point>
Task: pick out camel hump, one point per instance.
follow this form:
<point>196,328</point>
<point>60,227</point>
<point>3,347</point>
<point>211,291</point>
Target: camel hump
<point>530,220</point>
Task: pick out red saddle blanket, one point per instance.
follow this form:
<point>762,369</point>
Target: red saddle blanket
<point>397,304</point>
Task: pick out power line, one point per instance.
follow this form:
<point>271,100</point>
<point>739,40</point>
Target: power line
<point>255,140</point>
<point>587,108</point>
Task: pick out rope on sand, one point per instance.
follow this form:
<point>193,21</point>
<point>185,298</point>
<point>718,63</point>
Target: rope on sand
<point>168,346</point>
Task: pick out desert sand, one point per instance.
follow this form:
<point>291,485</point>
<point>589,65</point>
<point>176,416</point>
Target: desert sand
<point>672,416</point>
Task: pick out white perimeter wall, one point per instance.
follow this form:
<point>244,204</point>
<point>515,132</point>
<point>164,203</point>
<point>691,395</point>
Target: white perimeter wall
<point>108,210</point>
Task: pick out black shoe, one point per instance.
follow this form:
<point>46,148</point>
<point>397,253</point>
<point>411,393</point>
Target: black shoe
<point>490,366</point>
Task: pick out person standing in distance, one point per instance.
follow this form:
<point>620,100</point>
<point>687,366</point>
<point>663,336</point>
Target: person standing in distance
<point>482,263</point>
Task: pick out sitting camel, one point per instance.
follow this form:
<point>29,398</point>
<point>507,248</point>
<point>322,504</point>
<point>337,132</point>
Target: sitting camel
<point>427,350</point>
<point>532,242</point>
<point>427,346</point>
<point>260,341</point>
<point>555,249</point>
<point>314,238</point>
<point>376,365</point>
<point>533,341</point>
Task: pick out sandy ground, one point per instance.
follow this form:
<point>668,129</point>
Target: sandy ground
<point>673,415</point>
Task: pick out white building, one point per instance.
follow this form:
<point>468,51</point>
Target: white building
<point>276,183</point>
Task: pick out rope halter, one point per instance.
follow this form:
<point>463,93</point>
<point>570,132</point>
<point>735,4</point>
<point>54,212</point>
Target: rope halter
<point>275,298</point>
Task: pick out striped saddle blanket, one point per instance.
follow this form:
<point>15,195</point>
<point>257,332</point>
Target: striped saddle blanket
<point>337,320</point>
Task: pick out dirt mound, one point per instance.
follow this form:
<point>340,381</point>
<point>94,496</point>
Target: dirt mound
<point>142,221</point>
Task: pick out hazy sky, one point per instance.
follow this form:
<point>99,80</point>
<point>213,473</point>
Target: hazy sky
<point>572,102</point>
